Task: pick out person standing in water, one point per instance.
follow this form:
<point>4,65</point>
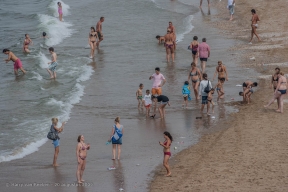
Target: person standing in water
<point>231,5</point>
<point>139,96</point>
<point>195,76</point>
<point>194,46</point>
<point>60,11</point>
<point>56,142</point>
<point>204,53</point>
<point>166,150</point>
<point>163,100</point>
<point>99,31</point>
<point>222,75</point>
<point>254,25</point>
<point>116,138</point>
<point>205,83</point>
<point>92,40</point>
<point>280,92</point>
<point>169,44</point>
<point>81,154</point>
<point>208,1</point>
<point>26,43</point>
<point>16,60</point>
<point>53,64</point>
<point>173,32</point>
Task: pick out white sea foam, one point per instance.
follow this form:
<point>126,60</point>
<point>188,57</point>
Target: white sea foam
<point>54,8</point>
<point>86,74</point>
<point>55,29</point>
<point>30,148</point>
<point>187,22</point>
<point>37,76</point>
<point>43,60</point>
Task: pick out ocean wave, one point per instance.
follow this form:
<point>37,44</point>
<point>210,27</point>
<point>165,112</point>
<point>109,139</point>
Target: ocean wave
<point>43,60</point>
<point>56,30</point>
<point>37,76</point>
<point>86,74</point>
<point>30,148</point>
<point>54,8</point>
<point>188,27</point>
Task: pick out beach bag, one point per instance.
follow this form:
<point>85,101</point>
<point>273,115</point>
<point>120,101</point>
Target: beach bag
<point>52,135</point>
<point>207,88</point>
<point>117,135</point>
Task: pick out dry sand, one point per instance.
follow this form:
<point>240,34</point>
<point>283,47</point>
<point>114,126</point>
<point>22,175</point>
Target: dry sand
<point>251,153</point>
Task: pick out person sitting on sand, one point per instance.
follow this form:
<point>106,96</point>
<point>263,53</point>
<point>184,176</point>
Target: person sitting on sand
<point>164,101</point>
<point>161,39</point>
<point>166,149</point>
<point>254,25</point>
<point>56,142</point>
<point>16,60</point>
<point>81,154</point>
<point>280,92</point>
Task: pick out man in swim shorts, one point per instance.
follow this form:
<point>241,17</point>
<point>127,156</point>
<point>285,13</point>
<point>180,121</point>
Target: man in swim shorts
<point>53,64</point>
<point>99,30</point>
<point>16,60</point>
<point>158,82</point>
<point>204,53</point>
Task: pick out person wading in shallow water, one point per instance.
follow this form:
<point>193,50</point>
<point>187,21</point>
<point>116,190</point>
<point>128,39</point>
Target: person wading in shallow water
<point>166,149</point>
<point>16,60</point>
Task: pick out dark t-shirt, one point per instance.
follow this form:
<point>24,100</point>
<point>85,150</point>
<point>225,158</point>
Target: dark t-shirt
<point>162,98</point>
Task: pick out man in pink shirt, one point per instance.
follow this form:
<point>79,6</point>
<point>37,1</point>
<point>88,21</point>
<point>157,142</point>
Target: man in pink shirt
<point>159,81</point>
<point>204,53</point>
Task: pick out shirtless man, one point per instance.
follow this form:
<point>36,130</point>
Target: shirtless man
<point>254,25</point>
<point>173,32</point>
<point>222,75</point>
<point>208,1</point>
<point>53,64</point>
<point>160,39</point>
<point>16,60</point>
<point>169,45</point>
<point>99,30</point>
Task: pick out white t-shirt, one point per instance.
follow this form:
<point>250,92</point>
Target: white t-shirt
<point>147,99</point>
<point>203,85</point>
<point>230,2</point>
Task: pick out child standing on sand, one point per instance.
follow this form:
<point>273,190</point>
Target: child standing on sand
<point>219,89</point>
<point>147,101</point>
<point>210,98</point>
<point>53,64</point>
<point>139,96</point>
<point>186,94</point>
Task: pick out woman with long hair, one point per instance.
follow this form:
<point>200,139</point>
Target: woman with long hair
<point>195,76</point>
<point>116,138</point>
<point>166,149</point>
<point>92,40</point>
<point>81,154</point>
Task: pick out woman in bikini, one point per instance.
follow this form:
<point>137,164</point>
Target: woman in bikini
<point>81,154</point>
<point>254,25</point>
<point>169,37</point>
<point>92,39</point>
<point>166,149</point>
<point>60,11</point>
<point>194,46</point>
<point>222,76</point>
<point>274,82</point>
<point>280,92</point>
<point>26,43</point>
<point>196,77</point>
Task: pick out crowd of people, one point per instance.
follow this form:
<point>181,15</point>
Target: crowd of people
<point>155,99</point>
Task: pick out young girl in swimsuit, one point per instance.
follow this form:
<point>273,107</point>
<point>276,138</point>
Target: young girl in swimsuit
<point>169,45</point>
<point>194,46</point>
<point>280,92</point>
<point>274,82</point>
<point>196,77</point>
<point>60,11</point>
<point>92,40</point>
<point>166,149</point>
<point>26,43</point>
<point>219,88</point>
<point>81,154</point>
<point>210,98</point>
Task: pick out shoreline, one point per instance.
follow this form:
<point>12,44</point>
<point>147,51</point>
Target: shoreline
<point>249,153</point>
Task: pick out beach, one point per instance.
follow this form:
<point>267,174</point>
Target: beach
<point>250,153</point>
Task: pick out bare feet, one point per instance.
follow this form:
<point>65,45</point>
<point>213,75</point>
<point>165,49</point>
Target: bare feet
<point>79,182</point>
<point>168,174</point>
<point>55,165</point>
<point>82,180</point>
<point>265,106</point>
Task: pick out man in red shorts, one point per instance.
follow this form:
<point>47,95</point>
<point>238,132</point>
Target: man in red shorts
<point>17,61</point>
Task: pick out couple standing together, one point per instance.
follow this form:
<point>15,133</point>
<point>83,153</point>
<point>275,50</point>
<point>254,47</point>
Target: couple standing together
<point>94,35</point>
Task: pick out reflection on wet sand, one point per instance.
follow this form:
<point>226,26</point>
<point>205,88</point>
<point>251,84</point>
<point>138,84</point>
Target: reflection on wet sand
<point>118,175</point>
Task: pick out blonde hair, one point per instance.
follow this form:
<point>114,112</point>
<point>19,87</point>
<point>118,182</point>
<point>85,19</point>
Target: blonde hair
<point>54,120</point>
<point>117,119</point>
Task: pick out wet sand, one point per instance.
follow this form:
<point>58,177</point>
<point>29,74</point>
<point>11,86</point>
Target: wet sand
<point>250,153</point>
